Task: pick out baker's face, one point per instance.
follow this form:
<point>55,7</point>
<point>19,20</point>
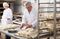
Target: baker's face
<point>4,7</point>
<point>29,7</point>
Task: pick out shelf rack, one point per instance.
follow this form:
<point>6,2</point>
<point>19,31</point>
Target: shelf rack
<point>53,6</point>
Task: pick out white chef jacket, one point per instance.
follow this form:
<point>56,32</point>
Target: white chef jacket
<point>7,14</point>
<point>30,18</point>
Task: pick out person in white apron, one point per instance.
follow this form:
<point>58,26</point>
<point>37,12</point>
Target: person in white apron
<point>7,14</point>
<point>30,16</point>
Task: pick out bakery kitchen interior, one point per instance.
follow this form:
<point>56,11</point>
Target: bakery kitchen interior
<point>29,19</point>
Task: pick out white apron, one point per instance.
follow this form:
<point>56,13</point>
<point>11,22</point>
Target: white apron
<point>7,14</point>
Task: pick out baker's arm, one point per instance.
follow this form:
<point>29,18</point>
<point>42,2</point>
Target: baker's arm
<point>23,21</point>
<point>9,15</point>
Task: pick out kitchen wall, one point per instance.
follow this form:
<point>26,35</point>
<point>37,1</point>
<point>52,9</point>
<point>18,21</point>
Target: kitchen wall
<point>17,6</point>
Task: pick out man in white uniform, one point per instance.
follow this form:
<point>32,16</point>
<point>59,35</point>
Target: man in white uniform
<point>7,14</point>
<point>30,16</point>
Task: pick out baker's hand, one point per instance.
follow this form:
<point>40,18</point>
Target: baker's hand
<point>8,18</point>
<point>29,25</point>
<point>22,25</point>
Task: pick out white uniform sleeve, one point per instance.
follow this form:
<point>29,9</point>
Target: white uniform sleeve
<point>24,19</point>
<point>9,14</point>
<point>34,23</point>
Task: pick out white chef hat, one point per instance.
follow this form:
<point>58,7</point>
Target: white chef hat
<point>27,3</point>
<point>5,4</point>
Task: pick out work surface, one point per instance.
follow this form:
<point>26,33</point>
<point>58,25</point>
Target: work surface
<point>14,36</point>
<point>11,34</point>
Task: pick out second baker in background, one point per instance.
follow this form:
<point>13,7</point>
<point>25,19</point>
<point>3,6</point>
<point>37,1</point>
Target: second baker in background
<point>7,14</point>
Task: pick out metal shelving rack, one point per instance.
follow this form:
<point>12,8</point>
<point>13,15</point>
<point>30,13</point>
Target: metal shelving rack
<point>43,12</point>
<point>54,19</point>
<point>54,11</point>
